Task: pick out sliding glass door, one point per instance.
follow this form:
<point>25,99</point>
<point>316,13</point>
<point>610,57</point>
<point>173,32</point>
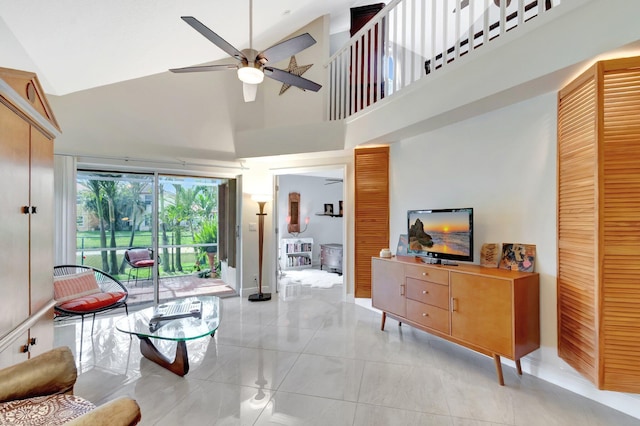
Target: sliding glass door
<point>172,219</point>
<point>187,235</point>
<point>114,212</point>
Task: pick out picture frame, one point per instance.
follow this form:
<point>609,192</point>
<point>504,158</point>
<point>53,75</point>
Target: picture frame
<point>490,255</point>
<point>403,243</point>
<point>328,209</point>
<point>518,257</point>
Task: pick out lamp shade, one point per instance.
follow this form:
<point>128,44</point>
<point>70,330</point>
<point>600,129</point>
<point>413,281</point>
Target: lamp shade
<point>250,75</point>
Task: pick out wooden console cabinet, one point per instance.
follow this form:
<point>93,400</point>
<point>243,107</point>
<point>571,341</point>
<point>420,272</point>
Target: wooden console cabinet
<point>492,311</point>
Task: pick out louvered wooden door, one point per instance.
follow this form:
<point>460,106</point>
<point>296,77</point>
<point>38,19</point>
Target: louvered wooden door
<point>577,226</point>
<point>599,224</point>
<point>371,212</point>
<point>620,221</point>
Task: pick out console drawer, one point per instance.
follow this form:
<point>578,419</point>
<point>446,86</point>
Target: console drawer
<point>428,316</point>
<point>428,292</point>
<point>440,276</point>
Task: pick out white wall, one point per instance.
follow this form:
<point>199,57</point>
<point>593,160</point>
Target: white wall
<point>314,193</point>
<point>503,164</point>
<point>296,106</point>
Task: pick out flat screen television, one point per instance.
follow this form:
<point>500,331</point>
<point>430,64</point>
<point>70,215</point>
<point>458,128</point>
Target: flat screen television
<point>443,234</point>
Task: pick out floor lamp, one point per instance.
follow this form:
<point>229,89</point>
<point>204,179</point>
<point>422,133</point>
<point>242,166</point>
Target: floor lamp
<point>260,296</point>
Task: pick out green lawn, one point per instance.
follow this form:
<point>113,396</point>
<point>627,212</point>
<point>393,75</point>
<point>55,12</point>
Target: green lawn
<point>91,239</point>
<point>88,245</point>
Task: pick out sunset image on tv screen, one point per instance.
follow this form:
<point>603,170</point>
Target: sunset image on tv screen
<point>440,232</point>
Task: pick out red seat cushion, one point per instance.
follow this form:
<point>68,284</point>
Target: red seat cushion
<point>92,302</point>
<point>143,263</point>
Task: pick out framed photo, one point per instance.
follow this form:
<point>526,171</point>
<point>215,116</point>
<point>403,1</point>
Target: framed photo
<point>328,209</point>
<point>518,257</point>
<point>403,243</point>
<point>490,255</point>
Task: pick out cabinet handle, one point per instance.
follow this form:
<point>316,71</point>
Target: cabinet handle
<point>32,341</point>
<point>425,292</point>
<point>424,274</point>
<point>424,314</point>
<point>25,209</point>
<point>24,349</point>
<point>401,289</point>
<point>453,304</point>
<point>34,210</point>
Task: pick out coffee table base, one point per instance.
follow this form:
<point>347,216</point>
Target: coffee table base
<point>179,366</point>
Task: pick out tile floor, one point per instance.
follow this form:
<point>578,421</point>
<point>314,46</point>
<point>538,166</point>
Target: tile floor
<point>315,360</point>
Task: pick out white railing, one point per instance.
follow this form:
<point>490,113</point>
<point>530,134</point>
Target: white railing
<point>411,39</point>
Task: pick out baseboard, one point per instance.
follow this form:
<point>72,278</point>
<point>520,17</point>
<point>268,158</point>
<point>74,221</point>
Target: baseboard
<point>566,377</point>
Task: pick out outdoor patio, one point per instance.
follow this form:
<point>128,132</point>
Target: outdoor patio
<point>178,286</point>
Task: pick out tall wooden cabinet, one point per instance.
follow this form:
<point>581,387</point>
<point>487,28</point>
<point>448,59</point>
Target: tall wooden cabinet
<point>492,311</point>
<point>599,224</point>
<point>27,130</point>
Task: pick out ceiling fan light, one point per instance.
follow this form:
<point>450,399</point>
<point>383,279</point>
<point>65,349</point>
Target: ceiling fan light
<point>250,75</point>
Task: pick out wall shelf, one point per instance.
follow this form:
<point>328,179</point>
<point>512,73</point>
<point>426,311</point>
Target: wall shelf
<point>330,215</point>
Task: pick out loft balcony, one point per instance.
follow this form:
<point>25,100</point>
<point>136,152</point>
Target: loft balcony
<point>417,80</point>
<point>410,40</point>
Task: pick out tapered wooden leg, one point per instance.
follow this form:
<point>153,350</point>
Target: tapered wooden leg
<point>518,367</point>
<point>496,358</point>
<point>179,366</point>
<point>384,319</point>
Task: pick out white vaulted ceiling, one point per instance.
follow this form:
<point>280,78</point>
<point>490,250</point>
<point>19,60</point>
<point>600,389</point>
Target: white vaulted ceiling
<point>78,44</point>
<point>104,65</point>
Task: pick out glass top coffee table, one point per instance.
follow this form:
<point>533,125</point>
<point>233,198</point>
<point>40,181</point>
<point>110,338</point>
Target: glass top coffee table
<point>180,329</point>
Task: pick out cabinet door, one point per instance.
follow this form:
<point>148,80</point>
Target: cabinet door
<point>481,312</point>
<point>41,228</point>
<point>14,226</point>
<point>388,286</point>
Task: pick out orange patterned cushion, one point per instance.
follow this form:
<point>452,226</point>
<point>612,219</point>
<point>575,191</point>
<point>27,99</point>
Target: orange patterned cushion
<point>44,410</point>
<point>69,287</point>
<point>92,302</point>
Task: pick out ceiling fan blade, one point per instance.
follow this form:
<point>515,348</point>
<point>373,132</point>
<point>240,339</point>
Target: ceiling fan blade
<point>249,92</point>
<point>286,49</point>
<point>203,68</point>
<point>213,37</point>
<point>291,79</point>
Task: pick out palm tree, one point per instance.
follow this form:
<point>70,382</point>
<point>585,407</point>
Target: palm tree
<point>137,210</point>
<point>110,189</point>
<point>95,204</point>
<point>164,220</point>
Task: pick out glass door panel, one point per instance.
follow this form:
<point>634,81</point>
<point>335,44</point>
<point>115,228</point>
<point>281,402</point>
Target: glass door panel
<point>187,235</point>
<point>114,214</point>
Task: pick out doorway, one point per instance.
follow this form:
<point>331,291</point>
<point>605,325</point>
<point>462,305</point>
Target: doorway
<point>307,228</point>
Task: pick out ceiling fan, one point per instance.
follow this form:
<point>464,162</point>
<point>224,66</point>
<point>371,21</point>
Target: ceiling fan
<point>252,65</point>
<point>331,181</point>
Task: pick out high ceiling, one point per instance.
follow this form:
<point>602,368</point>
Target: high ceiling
<point>79,44</point>
<point>104,65</point>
